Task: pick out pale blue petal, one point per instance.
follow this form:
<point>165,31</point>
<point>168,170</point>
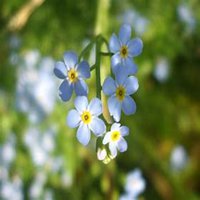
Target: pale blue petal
<point>73,118</point>
<point>60,70</point>
<point>114,44</point>
<point>130,66</point>
<point>65,90</point>
<point>113,149</point>
<point>127,196</point>
<point>124,130</point>
<point>114,107</point>
<point>81,88</point>
<point>106,138</point>
<point>135,47</point>
<point>84,69</point>
<point>122,145</point>
<point>125,33</point>
<point>128,105</point>
<point>81,103</point>
<point>121,75</point>
<point>83,134</point>
<point>134,174</point>
<point>115,60</point>
<point>97,126</point>
<point>109,86</point>
<point>70,59</point>
<point>95,106</point>
<point>115,127</point>
<point>131,85</point>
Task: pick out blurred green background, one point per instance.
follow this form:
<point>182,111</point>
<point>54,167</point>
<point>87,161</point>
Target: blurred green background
<point>40,157</point>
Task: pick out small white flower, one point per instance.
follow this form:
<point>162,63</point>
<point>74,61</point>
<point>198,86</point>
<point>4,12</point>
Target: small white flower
<point>12,189</point>
<point>136,20</point>
<point>36,88</point>
<point>185,15</point>
<point>115,138</point>
<point>8,150</point>
<point>161,71</point>
<point>101,154</point>
<point>36,188</point>
<point>178,157</point>
<point>135,183</point>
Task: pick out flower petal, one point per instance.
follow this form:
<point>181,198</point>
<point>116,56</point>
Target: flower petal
<point>128,105</point>
<point>81,88</point>
<point>131,85</point>
<point>115,127</point>
<point>113,149</point>
<point>127,196</point>
<point>125,33</point>
<point>73,118</point>
<point>135,47</point>
<point>114,107</point>
<point>121,75</point>
<point>106,138</point>
<point>65,91</point>
<point>81,103</point>
<point>122,145</point>
<point>83,134</point>
<point>97,126</point>
<point>95,106</point>
<point>70,59</point>
<point>115,60</point>
<point>109,86</point>
<point>130,66</point>
<point>60,70</point>
<point>84,69</point>
<point>114,43</point>
<point>124,130</point>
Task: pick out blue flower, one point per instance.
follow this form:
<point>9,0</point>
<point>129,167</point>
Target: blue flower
<point>125,49</point>
<point>115,139</point>
<point>135,183</point>
<point>119,92</point>
<point>86,117</point>
<point>73,74</point>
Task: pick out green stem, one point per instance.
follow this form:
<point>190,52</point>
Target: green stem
<point>106,42</point>
<point>97,65</point>
<point>106,54</point>
<point>88,47</point>
<point>92,67</point>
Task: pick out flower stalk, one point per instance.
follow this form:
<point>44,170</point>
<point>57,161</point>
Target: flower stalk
<point>97,66</point>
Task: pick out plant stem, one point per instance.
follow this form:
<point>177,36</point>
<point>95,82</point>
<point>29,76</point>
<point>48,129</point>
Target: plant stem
<point>88,47</point>
<point>92,67</point>
<point>97,65</point>
<point>106,54</point>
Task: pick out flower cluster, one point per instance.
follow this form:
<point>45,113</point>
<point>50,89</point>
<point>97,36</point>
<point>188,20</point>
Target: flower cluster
<point>119,86</point>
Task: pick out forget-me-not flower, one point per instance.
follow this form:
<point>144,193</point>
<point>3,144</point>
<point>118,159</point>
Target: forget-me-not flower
<point>124,49</point>
<point>162,70</point>
<point>115,139</point>
<point>35,88</point>
<point>119,91</point>
<point>135,183</point>
<point>178,158</point>
<point>73,74</point>
<point>86,117</point>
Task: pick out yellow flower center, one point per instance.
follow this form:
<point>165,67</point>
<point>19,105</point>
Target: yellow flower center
<point>115,135</point>
<point>120,93</point>
<point>72,75</point>
<point>86,117</point>
<point>124,51</point>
